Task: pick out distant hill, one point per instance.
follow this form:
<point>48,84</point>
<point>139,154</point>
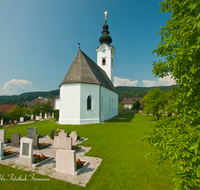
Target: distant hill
<point>124,92</point>
<point>139,92</point>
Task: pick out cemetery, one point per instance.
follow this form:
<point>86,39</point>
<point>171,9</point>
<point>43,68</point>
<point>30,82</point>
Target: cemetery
<point>55,157</point>
<point>114,153</point>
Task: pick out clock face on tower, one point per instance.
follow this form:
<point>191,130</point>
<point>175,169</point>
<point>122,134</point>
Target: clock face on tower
<point>103,50</point>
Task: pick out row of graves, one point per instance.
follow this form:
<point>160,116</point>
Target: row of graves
<point>37,118</point>
<point>65,157</point>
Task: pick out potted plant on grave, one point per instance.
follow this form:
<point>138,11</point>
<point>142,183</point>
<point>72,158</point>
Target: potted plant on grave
<point>38,158</point>
<point>52,134</point>
<point>80,164</point>
<point>8,152</point>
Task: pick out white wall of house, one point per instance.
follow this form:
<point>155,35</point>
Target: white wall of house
<point>57,104</point>
<point>128,106</point>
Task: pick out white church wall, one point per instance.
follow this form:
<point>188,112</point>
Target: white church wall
<point>57,104</point>
<point>89,116</point>
<point>69,103</point>
<point>110,104</point>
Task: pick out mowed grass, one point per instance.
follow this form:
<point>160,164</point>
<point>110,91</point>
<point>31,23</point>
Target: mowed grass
<point>119,143</point>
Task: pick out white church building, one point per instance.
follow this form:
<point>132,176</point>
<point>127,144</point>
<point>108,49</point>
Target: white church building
<point>87,93</point>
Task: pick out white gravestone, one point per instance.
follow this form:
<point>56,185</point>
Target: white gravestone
<point>66,161</point>
<point>21,119</point>
<point>62,141</point>
<point>74,136</point>
<point>37,118</point>
<point>53,115</point>
<point>26,151</point>
<point>2,121</point>
<point>3,135</point>
<point>40,115</point>
<point>45,115</point>
<point>32,117</point>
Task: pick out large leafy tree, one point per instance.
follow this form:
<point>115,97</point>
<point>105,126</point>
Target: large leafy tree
<point>177,138</point>
<point>154,102</point>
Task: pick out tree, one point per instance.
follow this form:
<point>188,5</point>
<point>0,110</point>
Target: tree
<point>154,102</point>
<point>177,138</point>
<point>15,113</point>
<point>136,105</point>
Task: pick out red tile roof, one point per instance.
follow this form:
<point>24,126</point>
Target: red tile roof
<point>6,107</point>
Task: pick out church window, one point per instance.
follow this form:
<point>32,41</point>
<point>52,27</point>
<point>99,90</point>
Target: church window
<point>112,104</point>
<point>102,103</point>
<point>89,103</point>
<point>109,104</point>
<point>103,61</point>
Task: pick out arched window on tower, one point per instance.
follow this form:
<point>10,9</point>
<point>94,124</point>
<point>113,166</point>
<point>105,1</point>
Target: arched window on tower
<point>89,103</point>
<point>103,61</point>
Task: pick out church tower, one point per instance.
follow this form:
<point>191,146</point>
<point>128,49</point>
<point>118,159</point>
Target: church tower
<point>105,52</point>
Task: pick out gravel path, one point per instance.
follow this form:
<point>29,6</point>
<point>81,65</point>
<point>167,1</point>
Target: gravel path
<point>48,168</point>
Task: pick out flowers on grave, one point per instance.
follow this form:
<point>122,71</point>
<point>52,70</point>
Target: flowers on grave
<point>38,158</point>
<point>80,164</point>
<point>52,134</point>
<point>8,152</point>
<point>8,141</point>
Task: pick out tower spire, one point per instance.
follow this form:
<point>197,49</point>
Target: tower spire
<point>105,38</point>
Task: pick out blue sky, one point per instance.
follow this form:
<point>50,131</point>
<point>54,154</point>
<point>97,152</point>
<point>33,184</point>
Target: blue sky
<point>38,40</point>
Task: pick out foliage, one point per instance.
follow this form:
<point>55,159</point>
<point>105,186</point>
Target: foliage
<point>52,134</point>
<point>56,114</point>
<point>79,164</point>
<point>177,138</point>
<point>136,105</point>
<point>15,113</point>
<point>41,107</point>
<point>120,106</point>
<point>154,102</point>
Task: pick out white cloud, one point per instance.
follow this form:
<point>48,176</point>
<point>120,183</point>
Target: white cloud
<point>16,87</point>
<point>166,81</point>
<point>124,82</point>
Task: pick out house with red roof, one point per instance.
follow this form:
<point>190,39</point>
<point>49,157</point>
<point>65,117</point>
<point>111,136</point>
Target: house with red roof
<point>6,107</point>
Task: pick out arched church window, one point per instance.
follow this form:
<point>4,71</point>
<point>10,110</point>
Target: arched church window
<point>102,103</point>
<point>89,103</point>
<point>103,61</point>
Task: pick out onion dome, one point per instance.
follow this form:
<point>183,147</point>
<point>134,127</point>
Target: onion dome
<point>105,38</point>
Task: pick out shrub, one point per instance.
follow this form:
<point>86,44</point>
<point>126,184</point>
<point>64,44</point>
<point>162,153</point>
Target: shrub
<point>56,114</point>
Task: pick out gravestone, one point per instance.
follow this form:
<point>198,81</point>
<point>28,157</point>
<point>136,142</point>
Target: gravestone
<point>26,151</point>
<point>1,150</point>
<point>40,115</point>
<point>37,118</point>
<point>66,161</point>
<point>3,135</point>
<point>62,141</point>
<point>15,140</point>
<point>21,119</point>
<point>2,121</point>
<point>74,136</point>
<point>32,117</point>
<point>53,115</point>
<point>32,134</point>
<point>45,115</point>
<point>15,122</point>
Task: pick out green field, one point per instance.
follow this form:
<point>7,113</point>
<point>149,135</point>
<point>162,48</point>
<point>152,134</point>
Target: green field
<point>118,142</point>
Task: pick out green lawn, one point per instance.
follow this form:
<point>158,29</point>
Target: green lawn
<point>119,143</point>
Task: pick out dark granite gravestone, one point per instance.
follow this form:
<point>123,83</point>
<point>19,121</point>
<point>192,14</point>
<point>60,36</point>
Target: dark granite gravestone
<point>32,131</point>
<point>15,140</point>
<point>32,134</point>
<point>25,149</point>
